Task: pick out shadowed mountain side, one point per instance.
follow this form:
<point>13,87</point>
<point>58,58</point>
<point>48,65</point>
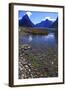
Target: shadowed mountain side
<point>43,25</point>
<point>47,23</point>
<point>26,22</point>
<point>55,24</point>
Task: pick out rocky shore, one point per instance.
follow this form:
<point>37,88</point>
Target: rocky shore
<point>37,63</point>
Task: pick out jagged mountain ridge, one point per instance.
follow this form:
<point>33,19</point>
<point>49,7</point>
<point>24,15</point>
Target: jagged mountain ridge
<point>26,22</point>
<point>47,23</point>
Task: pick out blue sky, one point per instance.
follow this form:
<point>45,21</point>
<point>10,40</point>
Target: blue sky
<point>37,17</point>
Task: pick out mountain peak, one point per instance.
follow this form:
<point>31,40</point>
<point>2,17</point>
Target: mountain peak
<point>55,24</point>
<point>46,24</point>
<point>47,20</point>
<point>26,16</point>
<point>25,21</point>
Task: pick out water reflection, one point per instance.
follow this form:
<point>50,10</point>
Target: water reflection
<point>30,38</point>
<point>39,40</point>
<point>50,36</point>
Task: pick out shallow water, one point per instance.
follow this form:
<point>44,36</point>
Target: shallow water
<point>39,40</point>
<point>42,55</point>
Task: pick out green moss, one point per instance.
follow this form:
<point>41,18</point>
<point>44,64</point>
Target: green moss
<point>34,60</point>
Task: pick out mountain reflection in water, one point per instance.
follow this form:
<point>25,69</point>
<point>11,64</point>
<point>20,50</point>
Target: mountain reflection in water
<point>39,40</point>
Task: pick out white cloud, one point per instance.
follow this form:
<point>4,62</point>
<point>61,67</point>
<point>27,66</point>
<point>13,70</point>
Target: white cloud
<point>20,18</point>
<point>29,13</point>
<point>51,19</point>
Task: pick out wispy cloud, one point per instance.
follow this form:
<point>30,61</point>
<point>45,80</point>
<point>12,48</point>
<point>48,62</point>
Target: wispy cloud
<point>20,18</point>
<point>51,19</point>
<point>29,13</point>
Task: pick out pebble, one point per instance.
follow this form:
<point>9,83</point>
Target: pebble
<point>26,70</point>
<point>26,66</point>
<point>29,70</point>
<point>52,62</point>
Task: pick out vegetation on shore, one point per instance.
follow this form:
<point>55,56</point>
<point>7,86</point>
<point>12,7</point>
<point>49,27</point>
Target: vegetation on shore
<point>34,30</point>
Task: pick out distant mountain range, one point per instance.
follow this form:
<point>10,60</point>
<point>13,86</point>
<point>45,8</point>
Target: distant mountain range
<point>47,23</point>
<point>26,22</point>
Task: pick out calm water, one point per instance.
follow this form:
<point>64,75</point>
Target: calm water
<point>39,40</point>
